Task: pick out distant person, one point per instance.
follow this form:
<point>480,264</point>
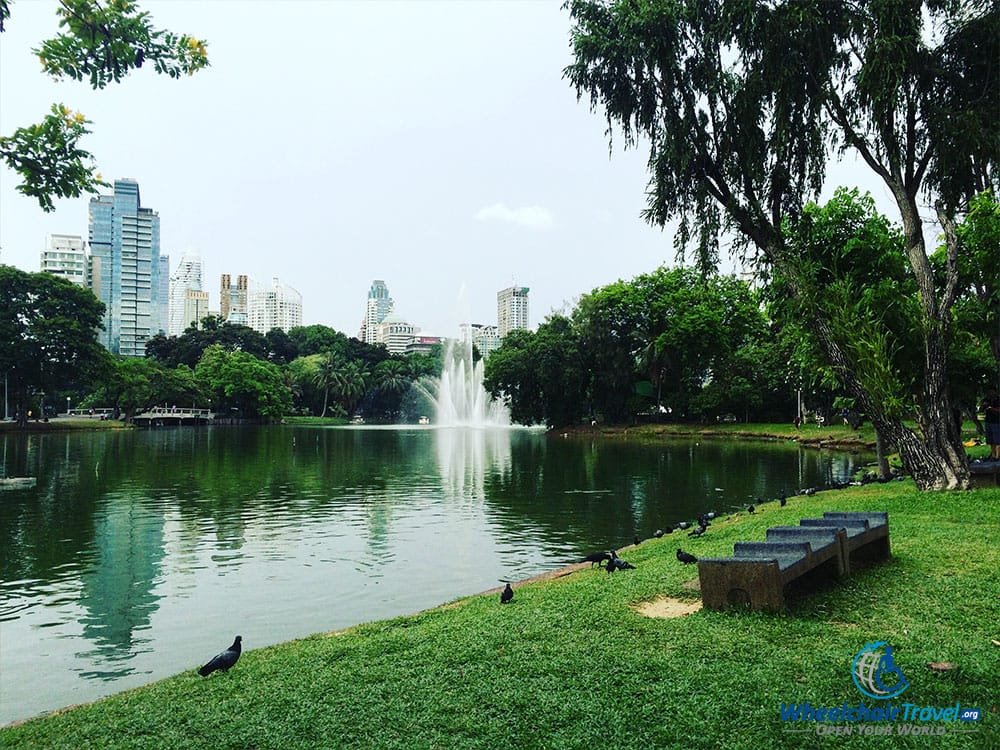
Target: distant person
<point>991,408</point>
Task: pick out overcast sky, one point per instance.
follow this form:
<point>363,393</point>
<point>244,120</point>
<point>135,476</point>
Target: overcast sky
<point>434,145</point>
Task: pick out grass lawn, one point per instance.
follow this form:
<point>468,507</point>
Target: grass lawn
<point>61,424</point>
<point>570,664</point>
<point>315,420</point>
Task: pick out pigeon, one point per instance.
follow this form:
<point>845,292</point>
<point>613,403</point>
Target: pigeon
<point>683,525</point>
<point>659,533</point>
<point>616,563</point>
<point>782,499</point>
<point>635,541</point>
<point>699,531</point>
<point>225,660</point>
<point>507,594</point>
<point>686,557</point>
<point>596,558</point>
<point>750,509</point>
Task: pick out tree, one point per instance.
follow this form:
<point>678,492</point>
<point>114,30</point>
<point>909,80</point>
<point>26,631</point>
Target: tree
<point>280,348</point>
<point>101,43</point>
<point>188,348</point>
<point>351,383</point>
<point>48,334</point>
<point>673,326</point>
<point>743,101</point>
<point>240,382</point>
<point>325,376</point>
<point>511,374</point>
<point>317,339</point>
<point>392,380</point>
<point>134,385</point>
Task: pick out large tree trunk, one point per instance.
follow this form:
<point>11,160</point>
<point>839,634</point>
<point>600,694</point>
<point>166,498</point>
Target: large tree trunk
<point>936,461</point>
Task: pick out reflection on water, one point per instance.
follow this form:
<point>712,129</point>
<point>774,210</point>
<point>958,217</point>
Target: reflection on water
<point>465,455</point>
<point>137,553</point>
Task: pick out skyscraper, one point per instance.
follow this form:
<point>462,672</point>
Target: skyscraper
<point>163,295</point>
<point>234,299</point>
<point>64,255</point>
<point>512,309</point>
<point>379,305</point>
<point>186,277</point>
<point>277,306</point>
<point>125,249</point>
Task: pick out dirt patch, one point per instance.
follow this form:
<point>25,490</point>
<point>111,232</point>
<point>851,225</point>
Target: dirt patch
<point>666,607</point>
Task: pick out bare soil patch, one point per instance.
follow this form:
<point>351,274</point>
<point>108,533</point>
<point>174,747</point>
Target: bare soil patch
<point>666,607</point>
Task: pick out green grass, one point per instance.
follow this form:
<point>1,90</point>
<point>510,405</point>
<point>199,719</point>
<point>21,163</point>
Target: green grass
<point>315,420</point>
<point>569,664</point>
<point>62,424</point>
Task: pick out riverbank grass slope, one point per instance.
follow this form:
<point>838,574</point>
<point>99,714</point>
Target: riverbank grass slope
<point>570,663</point>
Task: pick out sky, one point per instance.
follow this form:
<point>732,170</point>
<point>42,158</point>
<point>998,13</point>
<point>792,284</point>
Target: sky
<point>434,145</point>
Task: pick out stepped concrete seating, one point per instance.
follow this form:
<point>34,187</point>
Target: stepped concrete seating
<point>867,535</point>
<point>759,574</point>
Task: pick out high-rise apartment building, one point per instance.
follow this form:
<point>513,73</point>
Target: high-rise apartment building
<point>124,241</point>
<point>234,299</point>
<point>163,295</point>
<point>185,278</point>
<point>277,306</point>
<point>379,305</point>
<point>395,333</point>
<point>195,307</point>
<point>65,255</point>
<point>512,309</point>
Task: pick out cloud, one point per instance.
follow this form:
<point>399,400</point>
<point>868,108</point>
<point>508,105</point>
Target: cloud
<point>531,217</point>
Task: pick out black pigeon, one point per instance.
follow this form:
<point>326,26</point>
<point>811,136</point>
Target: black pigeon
<point>750,509</point>
<point>596,558</point>
<point>710,515</point>
<point>225,660</point>
<point>616,563</point>
<point>686,557</point>
<point>635,541</point>
<point>507,594</point>
<point>683,525</point>
<point>659,533</point>
<point>782,499</point>
<point>699,531</point>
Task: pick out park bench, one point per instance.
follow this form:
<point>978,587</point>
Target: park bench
<point>760,574</point>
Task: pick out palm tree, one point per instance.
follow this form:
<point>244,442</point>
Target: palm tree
<point>325,376</point>
<point>392,378</point>
<point>352,382</point>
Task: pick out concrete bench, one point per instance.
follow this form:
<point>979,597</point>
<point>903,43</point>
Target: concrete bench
<point>866,535</point>
<point>759,574</point>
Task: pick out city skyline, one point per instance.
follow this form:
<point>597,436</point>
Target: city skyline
<point>449,164</point>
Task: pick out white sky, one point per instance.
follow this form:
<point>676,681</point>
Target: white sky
<point>429,144</point>
<point>434,145</point>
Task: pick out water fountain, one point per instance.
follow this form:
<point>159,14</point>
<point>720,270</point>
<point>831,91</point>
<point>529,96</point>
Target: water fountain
<point>461,400</point>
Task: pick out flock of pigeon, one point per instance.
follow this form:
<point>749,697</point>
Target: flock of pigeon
<point>609,560</point>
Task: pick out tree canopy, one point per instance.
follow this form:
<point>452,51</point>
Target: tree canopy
<point>48,334</point>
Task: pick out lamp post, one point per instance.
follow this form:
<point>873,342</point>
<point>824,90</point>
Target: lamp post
<point>67,406</point>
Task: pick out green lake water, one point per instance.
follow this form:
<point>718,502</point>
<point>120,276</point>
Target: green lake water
<point>140,554</point>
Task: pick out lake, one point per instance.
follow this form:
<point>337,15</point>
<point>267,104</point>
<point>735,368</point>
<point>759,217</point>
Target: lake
<point>140,554</point>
